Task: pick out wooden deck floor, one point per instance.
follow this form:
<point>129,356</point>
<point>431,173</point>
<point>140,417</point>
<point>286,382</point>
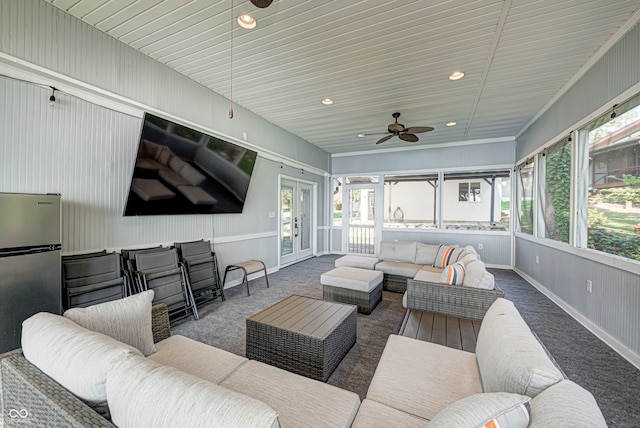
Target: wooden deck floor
<point>459,333</point>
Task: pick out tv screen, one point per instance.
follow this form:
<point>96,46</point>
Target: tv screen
<point>179,170</point>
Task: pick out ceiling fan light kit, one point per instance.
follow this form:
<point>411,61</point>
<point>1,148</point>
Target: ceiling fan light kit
<point>398,130</point>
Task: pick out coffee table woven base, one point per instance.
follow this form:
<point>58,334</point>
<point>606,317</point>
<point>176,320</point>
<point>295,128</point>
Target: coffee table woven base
<point>302,335</point>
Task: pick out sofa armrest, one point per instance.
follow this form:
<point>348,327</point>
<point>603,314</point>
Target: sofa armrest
<point>31,398</point>
<point>459,301</point>
<point>160,322</point>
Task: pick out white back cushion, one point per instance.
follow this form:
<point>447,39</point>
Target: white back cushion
<point>142,393</point>
<point>426,253</point>
<point>398,251</point>
<point>510,358</point>
<point>76,358</point>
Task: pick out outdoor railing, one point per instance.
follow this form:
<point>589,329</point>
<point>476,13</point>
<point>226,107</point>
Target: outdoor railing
<point>361,239</point>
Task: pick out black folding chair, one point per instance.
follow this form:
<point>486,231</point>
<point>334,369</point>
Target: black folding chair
<point>161,272</point>
<point>202,270</point>
<point>129,263</point>
<point>93,279</point>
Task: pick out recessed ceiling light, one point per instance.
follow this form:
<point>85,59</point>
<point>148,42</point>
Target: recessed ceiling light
<point>247,21</point>
<point>361,135</point>
<point>452,123</point>
<point>327,101</point>
<point>456,75</point>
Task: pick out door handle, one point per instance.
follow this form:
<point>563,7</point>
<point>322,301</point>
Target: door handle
<point>295,226</point>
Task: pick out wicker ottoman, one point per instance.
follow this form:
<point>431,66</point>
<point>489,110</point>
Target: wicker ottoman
<point>361,287</point>
<point>302,335</point>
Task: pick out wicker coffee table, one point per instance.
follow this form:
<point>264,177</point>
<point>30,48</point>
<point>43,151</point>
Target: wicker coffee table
<point>302,335</point>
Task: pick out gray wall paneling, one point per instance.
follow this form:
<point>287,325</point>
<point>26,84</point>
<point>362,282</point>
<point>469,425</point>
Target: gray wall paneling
<point>612,309</point>
<point>86,152</point>
<point>612,306</point>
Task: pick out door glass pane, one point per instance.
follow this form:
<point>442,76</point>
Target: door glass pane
<point>305,226</point>
<point>361,221</point>
<point>286,226</point>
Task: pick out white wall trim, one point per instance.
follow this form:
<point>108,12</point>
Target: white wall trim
<point>611,341</point>
<point>247,237</point>
<point>426,147</point>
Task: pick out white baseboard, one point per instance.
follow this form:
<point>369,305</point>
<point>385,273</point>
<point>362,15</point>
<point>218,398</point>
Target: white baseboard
<point>611,341</point>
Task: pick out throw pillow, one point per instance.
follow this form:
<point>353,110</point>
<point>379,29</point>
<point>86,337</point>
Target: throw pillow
<point>443,258</point>
<point>127,320</point>
<point>489,410</point>
<point>453,274</point>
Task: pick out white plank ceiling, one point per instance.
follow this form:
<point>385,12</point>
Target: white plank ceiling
<point>375,57</point>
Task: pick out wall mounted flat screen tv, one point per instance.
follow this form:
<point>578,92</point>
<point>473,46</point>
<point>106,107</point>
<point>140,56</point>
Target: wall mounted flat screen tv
<point>179,170</point>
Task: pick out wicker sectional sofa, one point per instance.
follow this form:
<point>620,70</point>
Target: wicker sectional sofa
<point>415,268</point>
<point>187,383</point>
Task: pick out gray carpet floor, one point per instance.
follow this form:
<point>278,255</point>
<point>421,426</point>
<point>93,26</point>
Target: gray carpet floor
<point>585,359</point>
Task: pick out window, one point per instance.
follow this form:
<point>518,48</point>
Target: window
<point>469,192</point>
<point>613,206</point>
<point>525,197</point>
<point>476,200</point>
<point>337,201</point>
<point>410,201</point>
<point>555,186</point>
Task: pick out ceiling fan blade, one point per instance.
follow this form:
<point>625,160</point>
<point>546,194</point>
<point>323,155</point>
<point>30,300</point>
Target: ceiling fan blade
<point>419,129</point>
<point>373,133</point>
<point>383,139</point>
<point>408,137</point>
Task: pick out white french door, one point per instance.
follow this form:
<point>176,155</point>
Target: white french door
<point>297,235</point>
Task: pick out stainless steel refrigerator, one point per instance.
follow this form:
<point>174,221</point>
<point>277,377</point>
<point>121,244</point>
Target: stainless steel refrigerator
<point>30,277</point>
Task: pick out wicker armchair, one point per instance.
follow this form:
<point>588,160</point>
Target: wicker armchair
<point>460,301</point>
<point>28,397</point>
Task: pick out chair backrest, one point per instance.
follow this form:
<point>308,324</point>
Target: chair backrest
<point>202,269</point>
<point>94,279</point>
<point>194,250</point>
<point>161,272</point>
<point>83,255</point>
<point>129,263</point>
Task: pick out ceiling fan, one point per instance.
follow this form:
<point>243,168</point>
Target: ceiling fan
<point>261,3</point>
<point>398,129</point>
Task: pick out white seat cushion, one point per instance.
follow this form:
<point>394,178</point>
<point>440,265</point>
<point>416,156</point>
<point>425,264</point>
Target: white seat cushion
<point>428,276</point>
<point>361,262</point>
<point>196,358</point>
<point>375,415</point>
<point>422,378</point>
<point>398,268</point>
<point>299,401</point>
<point>352,278</point>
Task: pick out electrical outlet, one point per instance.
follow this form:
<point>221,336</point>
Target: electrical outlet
<point>537,260</point>
<point>480,246</point>
<point>589,286</point>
